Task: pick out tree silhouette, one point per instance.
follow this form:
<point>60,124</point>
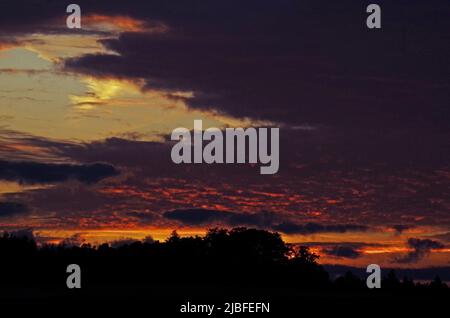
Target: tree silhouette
<point>437,283</point>
<point>237,257</point>
<point>349,282</point>
<point>391,281</point>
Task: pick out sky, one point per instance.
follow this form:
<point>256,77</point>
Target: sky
<point>86,116</point>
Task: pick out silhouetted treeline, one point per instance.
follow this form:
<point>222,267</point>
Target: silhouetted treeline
<point>237,257</point>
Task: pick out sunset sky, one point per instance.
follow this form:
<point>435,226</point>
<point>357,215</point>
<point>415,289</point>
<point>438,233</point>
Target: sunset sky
<point>86,116</point>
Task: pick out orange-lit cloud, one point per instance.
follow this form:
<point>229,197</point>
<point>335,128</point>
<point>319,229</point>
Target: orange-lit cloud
<point>120,23</point>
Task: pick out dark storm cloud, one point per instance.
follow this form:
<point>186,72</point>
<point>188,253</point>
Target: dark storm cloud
<point>422,247</point>
<point>342,251</point>
<point>146,155</point>
<point>17,18</point>
<point>34,172</point>
<point>8,209</point>
<point>205,216</point>
<point>262,219</point>
<point>69,199</point>
<point>424,244</point>
<point>312,228</point>
<point>197,216</point>
<point>293,62</point>
<point>274,60</point>
<point>320,151</point>
<point>122,152</point>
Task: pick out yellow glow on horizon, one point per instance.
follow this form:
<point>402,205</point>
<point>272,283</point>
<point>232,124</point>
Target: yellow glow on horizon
<point>98,236</point>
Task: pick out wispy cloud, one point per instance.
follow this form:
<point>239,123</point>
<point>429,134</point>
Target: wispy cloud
<point>421,248</point>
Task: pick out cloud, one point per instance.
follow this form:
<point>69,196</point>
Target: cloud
<point>424,244</point>
<point>443,237</point>
<point>12,209</point>
<point>8,43</point>
<point>342,251</point>
<point>266,220</point>
<point>34,172</point>
<point>198,216</point>
<point>205,216</point>
<point>21,146</point>
<point>302,71</point>
<point>400,228</point>
<point>143,190</point>
<point>422,247</point>
<point>227,53</point>
<point>143,217</point>
<point>302,75</point>
<point>260,59</point>
<point>312,228</point>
